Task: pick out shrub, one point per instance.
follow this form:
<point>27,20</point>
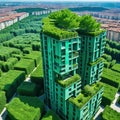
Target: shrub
<point>26,65</point>
<point>27,89</point>
<point>110,114</point>
<point>10,81</point>
<point>50,115</point>
<point>108,96</point>
<point>23,108</point>
<point>2,100</point>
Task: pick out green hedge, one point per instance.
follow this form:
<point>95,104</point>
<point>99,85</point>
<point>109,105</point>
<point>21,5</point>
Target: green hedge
<point>6,52</point>
<point>116,68</point>
<point>34,55</point>
<point>27,50</point>
<point>26,65</point>
<point>2,100</point>
<point>6,66</point>
<point>23,108</point>
<point>108,94</point>
<point>37,75</point>
<point>27,89</point>
<point>10,81</point>
<point>50,115</point>
<point>111,77</point>
<point>110,114</point>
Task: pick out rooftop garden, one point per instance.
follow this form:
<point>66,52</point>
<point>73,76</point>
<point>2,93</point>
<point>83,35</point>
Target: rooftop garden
<point>63,24</point>
<point>86,94</point>
<point>89,26</point>
<point>96,62</point>
<point>69,81</point>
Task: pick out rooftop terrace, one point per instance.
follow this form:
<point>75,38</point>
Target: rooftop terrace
<point>87,93</point>
<point>69,81</point>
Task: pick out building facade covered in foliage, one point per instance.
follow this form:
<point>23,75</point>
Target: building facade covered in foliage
<point>72,64</point>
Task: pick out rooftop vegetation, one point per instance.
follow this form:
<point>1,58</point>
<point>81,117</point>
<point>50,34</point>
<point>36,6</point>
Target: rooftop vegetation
<point>89,26</point>
<point>63,24</point>
<point>110,114</point>
<point>96,62</point>
<point>69,81</point>
<point>86,94</point>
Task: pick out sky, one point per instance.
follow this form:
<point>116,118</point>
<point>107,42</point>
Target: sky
<point>60,0</point>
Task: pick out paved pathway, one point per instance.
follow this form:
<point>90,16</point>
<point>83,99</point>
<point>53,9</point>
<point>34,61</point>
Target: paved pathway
<point>114,104</point>
<point>97,116</point>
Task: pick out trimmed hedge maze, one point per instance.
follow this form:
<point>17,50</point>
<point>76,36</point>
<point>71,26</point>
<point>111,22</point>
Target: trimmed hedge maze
<point>108,94</point>
<point>110,114</point>
<point>24,107</point>
<point>34,55</point>
<point>116,68</point>
<point>10,81</point>
<point>37,75</point>
<point>26,65</point>
<point>111,77</point>
<point>27,89</point>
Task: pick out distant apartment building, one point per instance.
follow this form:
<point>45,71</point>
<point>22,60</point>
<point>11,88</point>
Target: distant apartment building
<point>43,12</point>
<point>110,22</point>
<point>13,18</point>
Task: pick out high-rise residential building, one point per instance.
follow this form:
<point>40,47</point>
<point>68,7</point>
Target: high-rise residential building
<point>72,68</point>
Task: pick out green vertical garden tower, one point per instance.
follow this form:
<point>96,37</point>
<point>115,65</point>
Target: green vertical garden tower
<point>72,66</point>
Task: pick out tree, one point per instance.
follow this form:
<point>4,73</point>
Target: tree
<point>88,90</point>
<point>89,24</point>
<point>65,19</point>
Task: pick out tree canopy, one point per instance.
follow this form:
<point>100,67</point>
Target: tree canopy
<point>65,19</point>
<point>89,24</point>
